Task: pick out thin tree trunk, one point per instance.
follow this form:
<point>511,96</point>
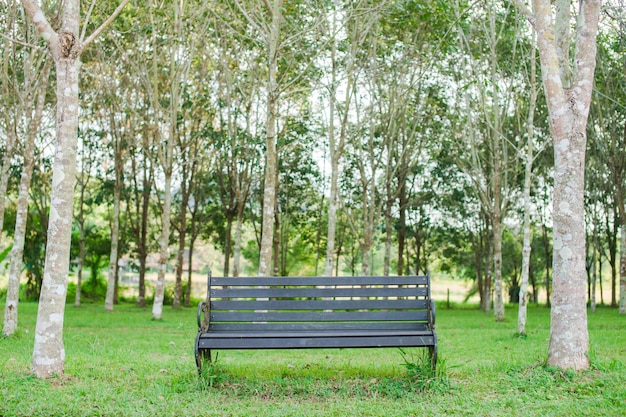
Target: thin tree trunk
<point>527,240</point>
<point>159,292</point>
<point>182,236</point>
<point>228,243</point>
<point>4,174</point>
<point>238,236</point>
<point>19,235</point>
<point>81,261</point>
<point>621,208</point>
<point>271,164</point>
<point>402,227</point>
<point>115,229</point>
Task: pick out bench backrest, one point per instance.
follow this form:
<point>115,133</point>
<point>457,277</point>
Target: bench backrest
<point>310,303</point>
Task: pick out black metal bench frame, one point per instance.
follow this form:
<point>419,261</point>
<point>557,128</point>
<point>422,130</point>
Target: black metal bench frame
<point>316,312</point>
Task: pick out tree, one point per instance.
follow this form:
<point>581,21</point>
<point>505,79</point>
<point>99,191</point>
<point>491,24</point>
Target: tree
<point>33,72</point>
<point>487,154</point>
<point>608,140</point>
<point>528,171</point>
<point>65,46</point>
<point>568,85</point>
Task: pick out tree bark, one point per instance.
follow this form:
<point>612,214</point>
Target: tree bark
<point>159,291</point>
<point>19,235</point>
<point>528,171</point>
<point>115,231</point>
<point>271,163</point>
<point>568,107</point>
<point>49,351</point>
<point>621,209</point>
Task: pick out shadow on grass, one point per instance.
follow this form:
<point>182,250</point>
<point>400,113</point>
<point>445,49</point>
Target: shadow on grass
<point>319,383</point>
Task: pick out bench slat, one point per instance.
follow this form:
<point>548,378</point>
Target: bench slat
<point>312,316</point>
<point>319,281</point>
<point>331,326</point>
<point>337,304</point>
<point>316,342</point>
<point>313,333</point>
<point>317,292</point>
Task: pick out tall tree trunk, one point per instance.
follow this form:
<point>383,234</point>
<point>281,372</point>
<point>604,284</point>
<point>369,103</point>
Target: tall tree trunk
<point>498,305</point>
<point>548,264</point>
<point>115,236</point>
<point>271,159</point>
<point>19,235</point>
<point>142,244</point>
<point>528,171</point>
<point>568,96</point>
<point>49,351</point>
<point>82,252</point>
<point>180,255</point>
<point>4,174</point>
<point>228,243</point>
<point>159,291</point>
<point>402,200</point>
<point>621,209</point>
<point>238,236</point>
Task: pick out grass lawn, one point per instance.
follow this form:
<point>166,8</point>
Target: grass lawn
<point>125,364</point>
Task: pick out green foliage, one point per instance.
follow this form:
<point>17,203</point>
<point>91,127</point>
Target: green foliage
<point>92,290</point>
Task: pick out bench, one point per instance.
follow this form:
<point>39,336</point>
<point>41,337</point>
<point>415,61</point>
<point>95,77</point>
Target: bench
<point>316,312</point>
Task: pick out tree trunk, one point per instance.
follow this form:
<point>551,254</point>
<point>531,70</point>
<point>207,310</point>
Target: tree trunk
<point>142,244</point>
<point>402,227</point>
<point>4,174</point>
<point>19,235</point>
<point>228,243</point>
<point>182,236</point>
<point>159,292</point>
<point>621,209</point>
<point>115,229</point>
<point>498,305</point>
<point>238,236</point>
<point>82,251</point>
<point>271,163</point>
<point>568,107</point>
<point>49,351</point>
<point>528,171</point>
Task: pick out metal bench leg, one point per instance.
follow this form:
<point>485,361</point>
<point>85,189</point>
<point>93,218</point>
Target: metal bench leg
<point>202,355</point>
<point>433,354</point>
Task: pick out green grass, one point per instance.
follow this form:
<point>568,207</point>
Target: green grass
<point>125,364</point>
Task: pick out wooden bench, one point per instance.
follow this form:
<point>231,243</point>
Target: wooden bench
<point>316,312</point>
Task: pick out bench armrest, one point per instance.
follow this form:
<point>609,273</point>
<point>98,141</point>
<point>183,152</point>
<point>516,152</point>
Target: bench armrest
<point>204,307</point>
<point>204,316</point>
<point>432,314</point>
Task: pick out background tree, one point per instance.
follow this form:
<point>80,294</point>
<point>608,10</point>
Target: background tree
<point>29,81</point>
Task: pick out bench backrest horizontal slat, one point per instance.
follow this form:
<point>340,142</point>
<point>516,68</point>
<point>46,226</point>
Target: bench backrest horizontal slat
<point>303,292</point>
<point>337,304</point>
<point>320,281</point>
<point>268,327</point>
<point>311,316</point>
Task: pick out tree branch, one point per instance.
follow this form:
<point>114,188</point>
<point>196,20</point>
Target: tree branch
<point>28,45</point>
<point>525,10</point>
<point>41,23</point>
<point>104,25</point>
